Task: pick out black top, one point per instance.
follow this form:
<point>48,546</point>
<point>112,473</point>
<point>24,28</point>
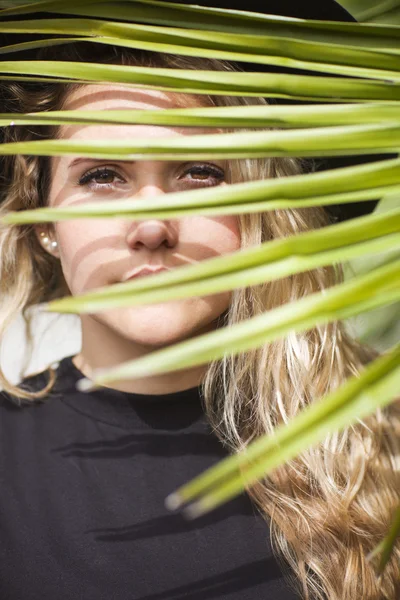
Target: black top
<point>83,478</point>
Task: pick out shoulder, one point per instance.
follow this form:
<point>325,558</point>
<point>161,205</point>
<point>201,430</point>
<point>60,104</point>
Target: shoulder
<point>15,402</point>
<point>26,423</point>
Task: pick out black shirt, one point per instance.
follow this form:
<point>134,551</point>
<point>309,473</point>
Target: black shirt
<point>83,481</point>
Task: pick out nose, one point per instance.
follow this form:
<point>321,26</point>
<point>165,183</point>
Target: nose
<point>152,233</point>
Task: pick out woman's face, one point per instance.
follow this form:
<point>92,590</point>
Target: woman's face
<point>100,252</point>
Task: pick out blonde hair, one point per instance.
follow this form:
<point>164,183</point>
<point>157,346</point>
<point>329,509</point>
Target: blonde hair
<point>331,505</point>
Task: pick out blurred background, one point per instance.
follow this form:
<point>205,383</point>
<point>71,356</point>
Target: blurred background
<point>380,328</point>
<point>56,335</point>
<point>374,11</point>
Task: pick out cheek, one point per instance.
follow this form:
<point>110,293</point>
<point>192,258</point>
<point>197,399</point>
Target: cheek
<point>220,235</point>
<point>94,251</point>
<point>231,224</point>
<point>84,246</point>
<point>73,236</point>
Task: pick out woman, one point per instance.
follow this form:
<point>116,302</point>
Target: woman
<point>85,475</point>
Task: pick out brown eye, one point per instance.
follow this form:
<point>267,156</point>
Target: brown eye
<point>200,175</point>
<point>209,174</point>
<point>103,177</point>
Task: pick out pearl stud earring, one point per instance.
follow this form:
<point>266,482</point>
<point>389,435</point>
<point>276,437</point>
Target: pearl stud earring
<point>46,240</point>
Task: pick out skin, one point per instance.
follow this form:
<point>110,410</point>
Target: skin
<point>100,252</point>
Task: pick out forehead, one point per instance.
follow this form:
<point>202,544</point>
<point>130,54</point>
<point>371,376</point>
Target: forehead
<point>124,97</point>
<point>120,96</point>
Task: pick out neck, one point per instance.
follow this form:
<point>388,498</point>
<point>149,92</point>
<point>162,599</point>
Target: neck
<point>103,348</point>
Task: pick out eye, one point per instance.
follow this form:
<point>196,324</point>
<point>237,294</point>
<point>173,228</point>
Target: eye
<point>204,174</point>
<point>100,177</point>
<point>105,178</point>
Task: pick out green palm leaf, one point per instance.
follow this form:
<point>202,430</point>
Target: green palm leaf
<point>386,546</point>
<point>224,20</point>
<point>385,11</point>
<point>271,260</point>
<point>324,115</point>
<point>365,292</point>
<point>236,47</point>
<point>359,396</point>
<point>348,184</point>
<point>322,141</point>
<point>301,87</point>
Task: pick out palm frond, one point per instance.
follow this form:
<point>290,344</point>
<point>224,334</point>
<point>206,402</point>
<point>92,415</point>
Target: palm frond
<point>360,115</point>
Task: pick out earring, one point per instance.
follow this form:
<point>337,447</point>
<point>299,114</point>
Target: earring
<point>46,240</point>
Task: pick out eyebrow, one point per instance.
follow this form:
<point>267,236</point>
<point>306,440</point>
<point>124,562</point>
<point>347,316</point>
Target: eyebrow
<point>84,159</point>
<point>76,161</point>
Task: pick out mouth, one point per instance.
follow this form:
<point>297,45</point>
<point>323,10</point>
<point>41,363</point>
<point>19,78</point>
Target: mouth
<point>143,271</point>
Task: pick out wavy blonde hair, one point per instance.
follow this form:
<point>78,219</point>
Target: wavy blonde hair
<point>331,505</point>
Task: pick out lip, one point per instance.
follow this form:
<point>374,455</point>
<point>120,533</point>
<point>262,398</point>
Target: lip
<point>142,271</point>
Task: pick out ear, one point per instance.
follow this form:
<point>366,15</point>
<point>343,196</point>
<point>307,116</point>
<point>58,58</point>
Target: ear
<point>47,239</point>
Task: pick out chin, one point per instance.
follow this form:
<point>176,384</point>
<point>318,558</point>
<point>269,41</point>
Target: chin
<point>153,339</point>
<point>160,325</point>
<point>156,334</point>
